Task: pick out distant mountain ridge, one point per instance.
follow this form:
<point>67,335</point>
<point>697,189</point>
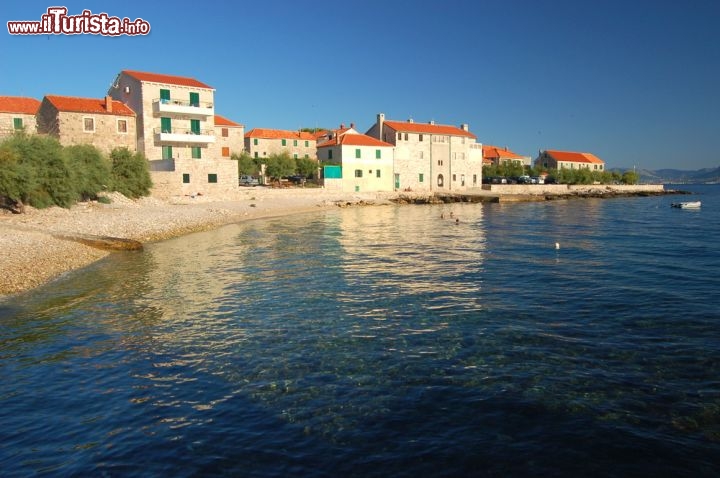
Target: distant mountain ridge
<point>677,176</point>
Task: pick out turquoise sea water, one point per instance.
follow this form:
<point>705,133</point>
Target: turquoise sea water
<point>381,341</point>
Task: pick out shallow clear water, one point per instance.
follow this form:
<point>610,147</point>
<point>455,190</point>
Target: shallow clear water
<point>381,341</point>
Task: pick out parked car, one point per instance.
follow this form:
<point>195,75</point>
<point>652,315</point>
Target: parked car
<point>524,180</point>
<point>248,180</point>
<point>538,180</point>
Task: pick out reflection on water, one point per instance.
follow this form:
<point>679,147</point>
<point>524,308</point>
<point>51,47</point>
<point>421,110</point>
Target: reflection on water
<point>377,341</point>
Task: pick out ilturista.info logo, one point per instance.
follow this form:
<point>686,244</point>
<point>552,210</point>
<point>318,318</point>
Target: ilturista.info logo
<point>56,21</point>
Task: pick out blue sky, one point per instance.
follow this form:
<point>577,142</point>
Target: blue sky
<point>635,82</point>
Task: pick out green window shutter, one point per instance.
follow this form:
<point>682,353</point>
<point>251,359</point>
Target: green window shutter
<point>421,177</point>
<point>186,178</point>
<point>378,154</point>
<point>255,141</point>
<point>196,152</point>
<point>377,173</point>
<point>307,144</point>
<point>294,155</point>
<point>195,126</point>
<point>357,153</point>
<point>164,96</point>
<point>165,125</point>
<point>167,152</point>
<point>284,142</point>
<point>212,178</point>
<point>256,154</point>
<point>194,99</point>
<point>17,123</point>
<point>294,142</point>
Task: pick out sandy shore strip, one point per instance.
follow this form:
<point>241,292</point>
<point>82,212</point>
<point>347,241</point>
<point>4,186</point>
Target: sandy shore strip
<point>34,246</point>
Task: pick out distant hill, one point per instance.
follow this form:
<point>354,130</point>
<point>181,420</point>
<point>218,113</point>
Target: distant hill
<point>677,176</point>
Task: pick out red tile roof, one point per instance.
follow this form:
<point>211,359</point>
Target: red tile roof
<point>223,121</point>
<point>168,79</point>
<point>490,152</point>
<point>88,105</point>
<point>266,133</point>
<point>427,128</point>
<point>574,157</point>
<point>19,104</point>
<point>355,140</point>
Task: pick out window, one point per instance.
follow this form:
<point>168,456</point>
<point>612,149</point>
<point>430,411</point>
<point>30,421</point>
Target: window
<point>196,152</point>
<point>89,125</point>
<point>307,157</point>
<point>454,177</point>
<point>421,177</point>
<point>329,153</point>
<point>195,126</point>
<point>17,123</point>
<point>440,162</point>
<point>357,153</point>
<point>378,154</point>
<point>225,151</point>
<point>186,178</point>
<point>256,154</point>
<point>399,136</point>
<point>462,180</point>
<point>255,141</point>
<point>224,132</point>
<point>164,96</point>
<point>284,142</point>
<point>294,155</point>
<point>294,142</point>
<point>377,173</point>
<point>194,99</point>
<point>307,144</point>
<point>122,126</point>
<point>406,136</point>
<point>358,173</point>
<point>474,179</point>
<point>212,178</point>
<point>165,125</point>
<point>167,152</point>
<point>420,137</point>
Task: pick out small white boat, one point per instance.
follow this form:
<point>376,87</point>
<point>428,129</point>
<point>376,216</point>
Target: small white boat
<point>687,205</point>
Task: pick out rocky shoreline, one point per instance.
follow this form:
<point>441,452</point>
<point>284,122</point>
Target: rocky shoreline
<point>40,245</point>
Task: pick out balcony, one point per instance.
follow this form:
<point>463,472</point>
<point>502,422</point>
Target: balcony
<point>184,135</point>
<point>162,106</point>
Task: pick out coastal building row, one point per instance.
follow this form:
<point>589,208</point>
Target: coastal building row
<point>172,121</point>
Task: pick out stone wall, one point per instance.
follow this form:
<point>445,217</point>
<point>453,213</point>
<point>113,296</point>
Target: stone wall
<point>70,129</point>
<point>168,182</point>
<point>568,189</point>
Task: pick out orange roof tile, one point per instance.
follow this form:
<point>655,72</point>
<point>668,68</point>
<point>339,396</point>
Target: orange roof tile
<point>490,151</point>
<point>19,104</point>
<point>88,105</point>
<point>574,157</point>
<point>427,128</point>
<point>355,140</point>
<point>266,133</point>
<point>223,121</point>
<point>169,79</point>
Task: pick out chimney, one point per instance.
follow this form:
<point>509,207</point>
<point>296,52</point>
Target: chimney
<point>380,124</point>
<point>108,103</point>
<point>352,125</point>
<point>410,120</point>
<point>465,127</point>
<point>432,122</point>
<point>342,125</point>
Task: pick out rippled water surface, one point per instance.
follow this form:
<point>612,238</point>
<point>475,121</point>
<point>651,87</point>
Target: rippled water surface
<point>381,341</point>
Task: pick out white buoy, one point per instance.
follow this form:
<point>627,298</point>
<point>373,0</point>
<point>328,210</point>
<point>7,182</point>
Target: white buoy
<point>557,245</point>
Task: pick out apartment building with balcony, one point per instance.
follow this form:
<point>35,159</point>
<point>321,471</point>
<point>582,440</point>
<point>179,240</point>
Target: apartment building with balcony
<point>102,122</point>
<point>354,162</point>
<point>176,132</point>
<point>431,157</point>
<point>17,113</point>
<point>263,142</point>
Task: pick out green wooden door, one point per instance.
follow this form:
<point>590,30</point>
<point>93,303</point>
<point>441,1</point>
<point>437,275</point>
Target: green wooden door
<point>195,126</point>
<point>164,96</point>
<point>194,99</point>
<point>165,125</point>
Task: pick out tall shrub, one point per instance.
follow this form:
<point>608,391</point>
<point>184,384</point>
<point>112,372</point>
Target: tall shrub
<point>130,174</point>
<point>90,169</point>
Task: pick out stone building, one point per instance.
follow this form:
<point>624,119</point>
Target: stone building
<point>263,142</point>
<point>230,137</point>
<point>104,123</point>
<point>431,157</point>
<point>17,113</point>
<point>177,133</point>
<point>553,159</point>
<point>497,156</point>
<point>354,162</point>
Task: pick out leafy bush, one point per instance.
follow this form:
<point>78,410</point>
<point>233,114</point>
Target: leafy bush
<point>129,173</point>
<point>90,168</point>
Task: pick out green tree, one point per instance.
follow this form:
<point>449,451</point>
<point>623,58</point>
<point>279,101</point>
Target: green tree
<point>11,180</point>
<point>307,167</point>
<point>129,173</point>
<point>630,177</point>
<point>280,165</point>
<point>246,164</point>
<point>90,169</point>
